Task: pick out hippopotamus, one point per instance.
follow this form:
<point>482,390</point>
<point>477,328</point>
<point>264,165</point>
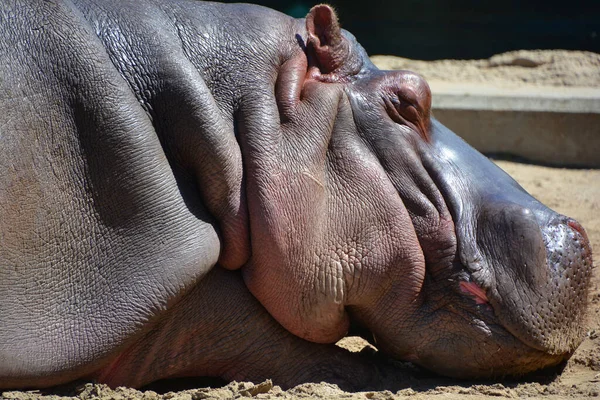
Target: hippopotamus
<point>198,189</point>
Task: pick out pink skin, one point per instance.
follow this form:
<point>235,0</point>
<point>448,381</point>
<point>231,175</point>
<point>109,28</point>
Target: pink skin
<point>474,290</point>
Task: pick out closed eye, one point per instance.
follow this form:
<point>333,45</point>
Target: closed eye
<point>403,109</point>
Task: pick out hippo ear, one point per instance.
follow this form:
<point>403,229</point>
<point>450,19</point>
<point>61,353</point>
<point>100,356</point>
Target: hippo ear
<point>326,44</point>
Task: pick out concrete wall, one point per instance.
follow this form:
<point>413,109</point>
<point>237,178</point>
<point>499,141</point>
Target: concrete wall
<point>555,126</point>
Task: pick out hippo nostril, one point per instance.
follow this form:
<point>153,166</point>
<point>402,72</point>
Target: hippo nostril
<point>576,226</point>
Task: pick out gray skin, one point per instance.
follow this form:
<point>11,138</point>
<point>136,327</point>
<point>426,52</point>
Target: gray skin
<point>198,189</point>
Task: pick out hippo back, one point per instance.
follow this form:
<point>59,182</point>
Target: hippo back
<point>102,227</point>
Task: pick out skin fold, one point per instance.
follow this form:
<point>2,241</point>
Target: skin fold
<point>201,189</point>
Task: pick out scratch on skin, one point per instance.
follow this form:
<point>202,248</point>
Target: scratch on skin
<point>313,178</point>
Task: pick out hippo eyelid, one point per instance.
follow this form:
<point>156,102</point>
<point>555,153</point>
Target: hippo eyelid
<point>395,103</point>
<point>409,97</point>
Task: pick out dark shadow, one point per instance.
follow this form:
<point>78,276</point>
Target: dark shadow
<point>465,29</point>
<point>398,375</point>
<point>394,376</point>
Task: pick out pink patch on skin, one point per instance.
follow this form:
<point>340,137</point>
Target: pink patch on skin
<point>577,227</point>
<point>475,290</point>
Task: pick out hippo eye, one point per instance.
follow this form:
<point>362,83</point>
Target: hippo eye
<point>403,109</point>
<point>406,107</point>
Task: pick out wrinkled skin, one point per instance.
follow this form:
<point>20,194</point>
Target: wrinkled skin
<point>147,149</point>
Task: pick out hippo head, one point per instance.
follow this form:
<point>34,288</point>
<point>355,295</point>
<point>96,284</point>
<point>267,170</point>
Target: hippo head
<point>368,211</point>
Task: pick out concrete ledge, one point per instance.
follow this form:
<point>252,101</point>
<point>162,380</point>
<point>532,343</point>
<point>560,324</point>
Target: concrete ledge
<point>550,125</point>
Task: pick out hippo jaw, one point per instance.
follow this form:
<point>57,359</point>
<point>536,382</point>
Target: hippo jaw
<point>517,320</point>
<point>508,332</point>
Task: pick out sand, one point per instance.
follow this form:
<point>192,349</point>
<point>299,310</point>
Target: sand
<point>558,68</point>
<point>575,193</point>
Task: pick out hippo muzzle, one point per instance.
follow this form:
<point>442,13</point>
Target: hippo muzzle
<point>524,269</point>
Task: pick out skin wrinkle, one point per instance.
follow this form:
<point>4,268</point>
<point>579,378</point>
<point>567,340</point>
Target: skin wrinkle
<point>334,297</point>
<point>385,147</point>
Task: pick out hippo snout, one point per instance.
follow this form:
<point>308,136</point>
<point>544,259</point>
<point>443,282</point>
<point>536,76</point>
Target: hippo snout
<point>523,280</point>
<point>569,259</point>
<point>537,270</point>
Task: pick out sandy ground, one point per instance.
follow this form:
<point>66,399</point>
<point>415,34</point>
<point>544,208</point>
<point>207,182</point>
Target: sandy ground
<point>575,193</point>
<point>538,68</point>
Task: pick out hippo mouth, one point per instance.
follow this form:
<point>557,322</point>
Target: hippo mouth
<point>520,277</point>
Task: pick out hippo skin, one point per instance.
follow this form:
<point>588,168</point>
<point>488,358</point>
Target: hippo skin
<point>200,189</point>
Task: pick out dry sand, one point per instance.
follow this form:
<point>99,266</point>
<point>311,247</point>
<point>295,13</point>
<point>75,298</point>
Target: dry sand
<point>575,193</point>
<point>530,67</point>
